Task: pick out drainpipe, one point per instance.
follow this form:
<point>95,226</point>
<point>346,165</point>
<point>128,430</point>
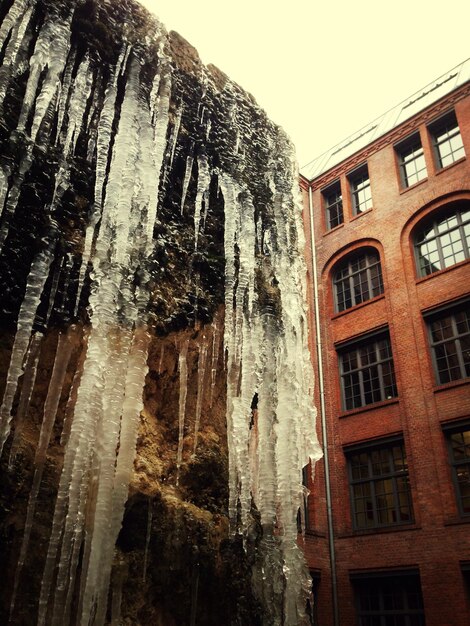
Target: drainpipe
<point>323,416</point>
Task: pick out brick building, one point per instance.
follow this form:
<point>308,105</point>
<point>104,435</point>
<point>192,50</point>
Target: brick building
<point>387,213</point>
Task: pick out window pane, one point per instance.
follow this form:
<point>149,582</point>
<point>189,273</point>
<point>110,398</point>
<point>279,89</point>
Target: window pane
<point>450,342</point>
<point>367,374</point>
<point>443,242</point>
<point>357,280</point>
<point>459,451</point>
<point>447,141</point>
<point>380,489</point>
<point>389,601</point>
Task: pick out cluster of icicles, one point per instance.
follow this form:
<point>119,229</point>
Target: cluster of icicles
<point>265,355</point>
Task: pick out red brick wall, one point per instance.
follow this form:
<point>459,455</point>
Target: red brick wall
<point>439,539</point>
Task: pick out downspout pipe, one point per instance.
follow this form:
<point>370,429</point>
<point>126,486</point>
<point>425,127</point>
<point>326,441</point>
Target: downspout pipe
<point>321,385</point>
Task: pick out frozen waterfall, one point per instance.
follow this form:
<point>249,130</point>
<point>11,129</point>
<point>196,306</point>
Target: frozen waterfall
<point>126,130</point>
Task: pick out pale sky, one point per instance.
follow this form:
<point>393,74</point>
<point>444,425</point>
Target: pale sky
<point>322,70</point>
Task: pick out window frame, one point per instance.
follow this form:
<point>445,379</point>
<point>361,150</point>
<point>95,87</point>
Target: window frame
<point>456,339</point>
<point>371,339</point>
<point>358,176</point>
<point>413,143</point>
<point>433,221</point>
<point>448,431</point>
<point>371,580</point>
<point>347,262</point>
<point>327,193</point>
<point>371,479</point>
<point>444,124</point>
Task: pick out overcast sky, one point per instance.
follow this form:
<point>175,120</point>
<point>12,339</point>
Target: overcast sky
<point>322,70</point>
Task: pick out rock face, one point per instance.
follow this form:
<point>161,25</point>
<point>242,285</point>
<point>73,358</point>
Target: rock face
<point>155,380</point>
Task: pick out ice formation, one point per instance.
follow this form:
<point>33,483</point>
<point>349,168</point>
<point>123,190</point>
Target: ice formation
<point>129,129</point>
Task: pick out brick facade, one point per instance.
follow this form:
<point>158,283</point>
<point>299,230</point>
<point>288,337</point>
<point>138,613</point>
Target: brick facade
<point>437,542</point>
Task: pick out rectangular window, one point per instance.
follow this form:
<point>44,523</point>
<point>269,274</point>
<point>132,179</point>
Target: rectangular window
<point>312,607</point>
<point>333,205</point>
<point>449,333</point>
<point>447,141</point>
<point>458,442</point>
<point>466,578</point>
<point>357,279</point>
<point>379,486</point>
<point>389,600</point>
<point>411,158</point>
<point>367,372</point>
<point>360,190</point>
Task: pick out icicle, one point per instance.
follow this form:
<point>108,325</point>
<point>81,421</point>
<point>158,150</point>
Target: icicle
<point>72,400</point>
<point>11,202</point>
<point>34,287</point>
<point>54,287</point>
<point>183,371</point>
<point>267,353</point>
<point>3,189</point>
<point>133,404</point>
<point>12,18</point>
<point>105,127</point>
<point>64,349</point>
<point>147,539</point>
<point>94,484</point>
<point>77,106</point>
<point>174,139</point>
<point>51,50</point>
<point>201,371</point>
<point>29,378</point>
<point>119,576</point>
<point>202,187</point>
<point>187,178</point>
<point>208,128</point>
<point>64,87</point>
<point>160,362</point>
<point>107,442</point>
<point>215,352</point>
<point>159,110</point>
<point>11,53</point>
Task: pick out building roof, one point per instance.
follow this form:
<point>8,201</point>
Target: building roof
<point>390,119</point>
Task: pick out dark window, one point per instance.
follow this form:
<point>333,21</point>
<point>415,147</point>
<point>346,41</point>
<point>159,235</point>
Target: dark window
<point>360,190</point>
<point>447,141</point>
<point>367,373</point>
<point>449,332</point>
<point>380,488</point>
<point>389,600</point>
<point>312,607</point>
<point>466,578</point>
<point>303,520</point>
<point>411,159</point>
<point>358,279</point>
<point>444,240</point>
<point>333,204</point>
<point>459,454</point>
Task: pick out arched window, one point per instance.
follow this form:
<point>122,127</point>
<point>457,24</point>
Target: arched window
<point>357,279</point>
<point>444,240</point>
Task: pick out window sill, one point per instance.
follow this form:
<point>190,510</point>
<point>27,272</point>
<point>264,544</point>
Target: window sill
<point>358,306</point>
<point>451,385</point>
<point>366,532</point>
<point>369,407</point>
<point>447,167</point>
<point>420,182</point>
<point>355,217</point>
<point>457,521</point>
<point>314,533</point>
<point>332,230</point>
<point>440,272</point>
